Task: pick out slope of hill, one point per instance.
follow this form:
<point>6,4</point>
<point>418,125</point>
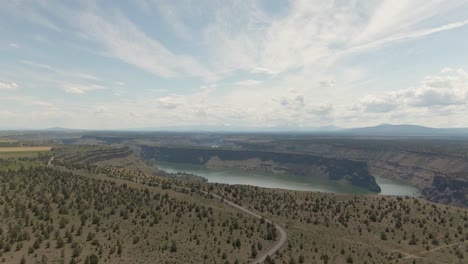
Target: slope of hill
<point>56,215</point>
<point>329,228</point>
<point>69,213</point>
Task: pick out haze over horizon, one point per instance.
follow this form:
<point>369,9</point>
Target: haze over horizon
<point>138,64</point>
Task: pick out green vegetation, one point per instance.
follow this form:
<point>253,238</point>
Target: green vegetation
<point>102,204</point>
<point>51,215</point>
<point>9,143</point>
<point>22,163</point>
<point>23,153</point>
<point>372,229</point>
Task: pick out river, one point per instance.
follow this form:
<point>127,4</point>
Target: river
<point>287,181</point>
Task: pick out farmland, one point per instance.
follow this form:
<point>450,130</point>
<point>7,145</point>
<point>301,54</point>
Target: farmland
<point>9,150</point>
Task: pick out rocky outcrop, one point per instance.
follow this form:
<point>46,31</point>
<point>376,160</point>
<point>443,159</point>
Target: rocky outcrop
<point>449,189</point>
<point>353,172</point>
<point>415,163</point>
<point>416,168</point>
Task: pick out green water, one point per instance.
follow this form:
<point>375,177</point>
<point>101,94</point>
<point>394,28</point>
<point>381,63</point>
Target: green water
<point>286,181</point>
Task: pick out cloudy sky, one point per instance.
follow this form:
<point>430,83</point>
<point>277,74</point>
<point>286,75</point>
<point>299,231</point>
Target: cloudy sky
<point>264,63</point>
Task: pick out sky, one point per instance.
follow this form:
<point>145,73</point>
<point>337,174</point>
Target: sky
<point>229,63</point>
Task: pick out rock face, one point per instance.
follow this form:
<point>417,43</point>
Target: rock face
<point>422,165</point>
<point>416,168</point>
<point>449,189</point>
<point>353,172</point>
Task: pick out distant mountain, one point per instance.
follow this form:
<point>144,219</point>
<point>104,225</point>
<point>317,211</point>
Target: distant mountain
<point>284,129</point>
<point>380,130</point>
<point>61,129</point>
<point>407,130</point>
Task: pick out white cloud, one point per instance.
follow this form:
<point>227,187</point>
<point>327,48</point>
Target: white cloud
<point>37,64</point>
<point>123,40</point>
<point>374,104</point>
<point>30,11</point>
<point>449,88</point>
<point>280,107</point>
<point>399,37</point>
<point>56,70</point>
<point>42,104</point>
<point>208,88</point>
<point>7,114</point>
<point>427,97</point>
<point>81,89</point>
<point>158,90</point>
<point>262,70</point>
<point>100,110</point>
<point>169,102</point>
<point>8,86</point>
<point>327,83</point>
<point>398,20</point>
<point>248,83</point>
<point>296,68</point>
<point>323,110</point>
<point>310,36</point>
<point>295,101</point>
<point>314,34</point>
<point>169,13</point>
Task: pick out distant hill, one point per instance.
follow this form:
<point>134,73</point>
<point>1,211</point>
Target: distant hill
<point>284,129</point>
<point>407,130</point>
<point>61,129</point>
<point>380,130</point>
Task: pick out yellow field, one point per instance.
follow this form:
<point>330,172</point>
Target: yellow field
<point>23,149</point>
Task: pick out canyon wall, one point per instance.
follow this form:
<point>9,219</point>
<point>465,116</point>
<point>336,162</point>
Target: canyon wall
<point>353,172</point>
<point>442,177</point>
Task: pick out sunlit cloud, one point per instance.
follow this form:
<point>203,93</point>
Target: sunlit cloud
<point>81,89</point>
<point>8,86</point>
<point>315,63</point>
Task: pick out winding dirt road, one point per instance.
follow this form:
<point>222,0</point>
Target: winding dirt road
<point>282,232</point>
<point>277,246</point>
<point>49,163</point>
<point>283,238</point>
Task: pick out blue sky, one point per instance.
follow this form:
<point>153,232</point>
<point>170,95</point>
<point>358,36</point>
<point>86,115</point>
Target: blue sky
<point>287,64</point>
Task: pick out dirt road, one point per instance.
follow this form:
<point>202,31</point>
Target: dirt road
<point>277,246</point>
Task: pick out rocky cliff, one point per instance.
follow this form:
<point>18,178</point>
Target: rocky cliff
<point>449,189</point>
<point>421,163</point>
<point>415,167</point>
<point>353,172</point>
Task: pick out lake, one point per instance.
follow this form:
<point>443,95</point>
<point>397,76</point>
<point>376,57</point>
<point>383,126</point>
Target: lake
<point>287,181</point>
